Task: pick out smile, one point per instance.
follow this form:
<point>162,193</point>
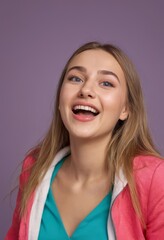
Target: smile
<point>82,109</point>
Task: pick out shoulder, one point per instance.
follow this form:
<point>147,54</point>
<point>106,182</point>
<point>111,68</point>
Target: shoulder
<point>147,164</point>
<point>147,161</point>
<point>27,165</point>
<point>28,162</point>
<point>148,172</point>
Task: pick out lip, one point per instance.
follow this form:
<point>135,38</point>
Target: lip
<point>83,117</point>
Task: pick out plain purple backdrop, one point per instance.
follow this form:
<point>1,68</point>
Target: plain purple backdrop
<point>36,39</point>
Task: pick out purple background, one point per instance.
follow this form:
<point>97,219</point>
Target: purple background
<point>36,39</point>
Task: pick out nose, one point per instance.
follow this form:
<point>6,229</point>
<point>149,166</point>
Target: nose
<point>87,90</point>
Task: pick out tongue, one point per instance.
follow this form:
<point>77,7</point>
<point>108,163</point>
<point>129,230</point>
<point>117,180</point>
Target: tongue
<point>84,116</point>
<point>83,112</point>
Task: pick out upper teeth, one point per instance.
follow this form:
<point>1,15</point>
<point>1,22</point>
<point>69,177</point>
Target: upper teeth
<point>86,108</point>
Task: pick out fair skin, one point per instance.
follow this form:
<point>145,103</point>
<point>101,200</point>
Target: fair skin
<point>92,100</point>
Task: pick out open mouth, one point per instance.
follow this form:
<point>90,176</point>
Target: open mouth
<point>86,110</point>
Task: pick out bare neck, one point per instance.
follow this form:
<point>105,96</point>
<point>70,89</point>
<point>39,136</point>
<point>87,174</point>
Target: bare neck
<point>88,159</point>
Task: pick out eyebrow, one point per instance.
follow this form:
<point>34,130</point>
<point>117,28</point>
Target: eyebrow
<point>79,68</point>
<point>107,72</point>
<point>104,72</point>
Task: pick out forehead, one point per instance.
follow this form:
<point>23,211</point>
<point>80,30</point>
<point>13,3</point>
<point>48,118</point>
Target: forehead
<point>97,59</point>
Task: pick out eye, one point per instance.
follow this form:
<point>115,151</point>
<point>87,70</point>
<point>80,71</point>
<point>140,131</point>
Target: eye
<point>106,84</point>
<point>74,79</point>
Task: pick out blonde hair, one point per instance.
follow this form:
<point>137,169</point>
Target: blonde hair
<point>130,137</point>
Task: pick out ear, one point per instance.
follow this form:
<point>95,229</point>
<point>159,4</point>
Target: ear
<point>124,113</point>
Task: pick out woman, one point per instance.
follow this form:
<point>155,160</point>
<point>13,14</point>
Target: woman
<point>96,174</point>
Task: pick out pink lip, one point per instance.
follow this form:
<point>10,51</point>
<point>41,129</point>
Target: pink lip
<point>83,117</point>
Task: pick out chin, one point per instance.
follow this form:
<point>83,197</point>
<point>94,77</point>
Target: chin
<point>82,135</point>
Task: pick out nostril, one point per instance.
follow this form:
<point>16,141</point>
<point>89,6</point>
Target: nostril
<point>81,95</point>
<point>86,93</point>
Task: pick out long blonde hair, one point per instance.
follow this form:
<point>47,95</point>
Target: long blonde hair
<point>130,137</point>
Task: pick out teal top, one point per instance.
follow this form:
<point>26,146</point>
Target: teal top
<point>93,226</point>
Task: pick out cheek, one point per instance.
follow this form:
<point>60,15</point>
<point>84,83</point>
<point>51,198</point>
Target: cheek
<point>111,99</point>
<point>64,101</point>
<point>63,96</point>
<point>114,102</point>
<point>66,93</point>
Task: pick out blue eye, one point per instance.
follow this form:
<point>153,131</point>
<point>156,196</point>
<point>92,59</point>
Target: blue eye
<point>74,79</point>
<point>106,84</point>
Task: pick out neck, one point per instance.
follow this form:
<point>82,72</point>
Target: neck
<point>88,159</point>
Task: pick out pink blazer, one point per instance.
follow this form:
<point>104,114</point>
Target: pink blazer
<point>122,220</point>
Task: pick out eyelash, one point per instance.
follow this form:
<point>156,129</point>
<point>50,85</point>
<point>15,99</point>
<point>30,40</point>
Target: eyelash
<point>109,84</point>
<point>74,79</point>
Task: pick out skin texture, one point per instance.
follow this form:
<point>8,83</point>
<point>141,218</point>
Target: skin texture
<point>88,88</point>
<point>93,79</point>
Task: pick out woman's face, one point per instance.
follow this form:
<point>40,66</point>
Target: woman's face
<point>93,95</point>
